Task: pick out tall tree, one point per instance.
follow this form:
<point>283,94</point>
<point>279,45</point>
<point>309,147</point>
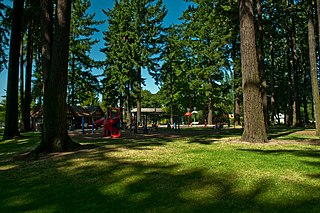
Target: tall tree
<point>262,70</point>
<point>208,42</point>
<point>31,13</point>
<point>313,67</point>
<point>55,54</point>
<point>254,127</point>
<point>141,24</point>
<point>83,85</point>
<point>296,111</point>
<point>11,125</point>
<point>171,67</point>
<point>4,32</point>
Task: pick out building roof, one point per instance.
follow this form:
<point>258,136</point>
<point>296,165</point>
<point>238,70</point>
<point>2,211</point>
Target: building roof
<point>77,111</point>
<point>85,111</point>
<point>148,110</point>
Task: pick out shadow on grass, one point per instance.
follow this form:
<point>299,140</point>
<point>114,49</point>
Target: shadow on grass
<point>313,155</point>
<point>300,153</point>
<point>277,132</point>
<point>111,183</point>
<point>208,137</point>
<point>117,185</point>
<point>107,182</point>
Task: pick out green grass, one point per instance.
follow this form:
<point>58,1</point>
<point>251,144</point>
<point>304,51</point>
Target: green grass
<point>201,173</point>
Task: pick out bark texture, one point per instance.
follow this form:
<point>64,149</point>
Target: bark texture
<point>11,122</point>
<point>313,67</point>
<point>262,70</point>
<point>296,110</point>
<point>27,98</point>
<point>254,125</point>
<point>55,137</point>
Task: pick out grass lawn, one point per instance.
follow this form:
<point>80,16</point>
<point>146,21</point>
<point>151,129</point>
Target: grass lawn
<point>199,173</point>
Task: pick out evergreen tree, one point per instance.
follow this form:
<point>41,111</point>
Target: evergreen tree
<point>208,32</point>
<point>55,63</point>
<point>83,85</point>
<point>4,32</point>
<point>171,70</point>
<point>313,66</point>
<point>133,37</point>
<point>11,126</point>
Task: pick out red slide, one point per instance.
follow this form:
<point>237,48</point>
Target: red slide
<point>115,132</point>
<point>98,123</point>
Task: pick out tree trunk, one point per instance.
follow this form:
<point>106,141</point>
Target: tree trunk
<point>27,98</point>
<point>55,137</point>
<point>171,98</point>
<point>11,123</point>
<point>273,101</point>
<point>313,67</point>
<point>289,86</point>
<point>236,85</point>
<point>73,73</point>
<point>262,70</point>
<point>210,111</point>
<point>22,104</point>
<point>254,125</point>
<point>139,94</point>
<point>297,113</point>
<point>128,106</point>
<point>305,101</point>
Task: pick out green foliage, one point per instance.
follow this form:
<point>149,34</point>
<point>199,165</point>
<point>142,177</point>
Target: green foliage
<point>2,112</point>
<point>4,34</point>
<point>150,100</point>
<point>83,86</point>
<point>132,42</point>
<point>196,65</point>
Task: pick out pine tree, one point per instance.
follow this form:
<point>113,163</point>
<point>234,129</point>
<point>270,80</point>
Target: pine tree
<point>55,63</point>
<point>11,125</point>
<point>171,70</point>
<point>133,37</point>
<point>207,30</point>
<point>313,66</point>
<point>4,32</point>
<point>83,85</point>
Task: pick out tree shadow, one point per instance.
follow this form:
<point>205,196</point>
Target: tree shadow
<point>111,183</point>
<point>277,133</point>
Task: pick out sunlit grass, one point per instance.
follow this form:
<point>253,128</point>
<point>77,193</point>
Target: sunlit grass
<point>200,173</point>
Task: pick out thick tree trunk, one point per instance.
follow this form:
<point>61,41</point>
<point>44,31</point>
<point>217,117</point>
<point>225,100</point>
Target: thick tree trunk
<point>313,67</point>
<point>11,123</point>
<point>55,137</point>
<point>296,112</point>
<point>27,102</point>
<point>262,70</point>
<point>254,125</point>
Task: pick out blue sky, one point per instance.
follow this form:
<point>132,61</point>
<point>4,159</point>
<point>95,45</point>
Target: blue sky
<point>175,9</point>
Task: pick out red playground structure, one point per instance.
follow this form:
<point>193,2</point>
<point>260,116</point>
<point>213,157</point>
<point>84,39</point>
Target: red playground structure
<point>111,123</point>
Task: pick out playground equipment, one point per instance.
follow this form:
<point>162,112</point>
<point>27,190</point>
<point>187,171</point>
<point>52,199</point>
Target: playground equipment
<point>111,123</point>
